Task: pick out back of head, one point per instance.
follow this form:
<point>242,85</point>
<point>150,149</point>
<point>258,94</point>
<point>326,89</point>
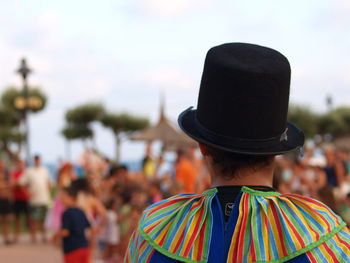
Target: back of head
<point>229,164</point>
<point>81,185</point>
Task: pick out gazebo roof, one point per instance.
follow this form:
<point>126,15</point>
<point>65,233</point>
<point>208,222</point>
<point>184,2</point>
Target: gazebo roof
<point>165,131</point>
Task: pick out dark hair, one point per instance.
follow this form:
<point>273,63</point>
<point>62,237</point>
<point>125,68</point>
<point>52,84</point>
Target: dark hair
<point>326,196</point>
<point>70,191</point>
<point>277,177</point>
<point>110,204</point>
<point>155,184</point>
<point>122,167</point>
<point>136,207</point>
<point>81,185</point>
<point>229,163</point>
<point>126,196</point>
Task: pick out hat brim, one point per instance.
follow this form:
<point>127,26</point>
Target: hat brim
<point>294,139</point>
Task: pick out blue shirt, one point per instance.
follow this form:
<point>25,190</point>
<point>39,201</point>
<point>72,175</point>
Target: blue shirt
<point>75,221</point>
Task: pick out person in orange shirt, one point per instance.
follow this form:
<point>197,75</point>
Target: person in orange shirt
<point>185,172</point>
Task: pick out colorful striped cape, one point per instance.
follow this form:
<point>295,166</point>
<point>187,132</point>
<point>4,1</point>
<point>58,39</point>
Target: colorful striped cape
<point>276,228</point>
<point>270,228</point>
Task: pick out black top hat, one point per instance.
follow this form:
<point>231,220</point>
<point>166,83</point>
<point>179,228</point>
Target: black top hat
<point>243,102</point>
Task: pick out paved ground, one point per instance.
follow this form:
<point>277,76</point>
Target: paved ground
<point>25,252</point>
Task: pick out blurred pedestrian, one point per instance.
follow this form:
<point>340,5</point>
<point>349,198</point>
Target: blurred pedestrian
<point>37,179</point>
<point>65,176</point>
<point>185,172</point>
<point>164,174</point>
<point>148,164</point>
<point>111,235</point>
<point>92,207</point>
<point>155,194</point>
<point>335,171</point>
<point>73,230</point>
<point>20,200</point>
<point>5,203</point>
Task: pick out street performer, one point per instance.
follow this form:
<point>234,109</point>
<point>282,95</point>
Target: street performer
<point>241,125</point>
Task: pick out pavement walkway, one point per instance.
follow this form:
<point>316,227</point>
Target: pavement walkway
<point>25,252</point>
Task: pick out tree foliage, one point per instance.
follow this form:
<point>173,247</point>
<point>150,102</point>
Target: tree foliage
<point>123,122</point>
<point>11,136</point>
<point>85,114</point>
<point>305,119</point>
<point>79,123</point>
<point>335,122</point>
<point>10,94</point>
<point>73,132</point>
<point>80,119</point>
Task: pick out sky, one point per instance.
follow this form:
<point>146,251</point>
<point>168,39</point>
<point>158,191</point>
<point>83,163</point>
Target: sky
<point>125,53</point>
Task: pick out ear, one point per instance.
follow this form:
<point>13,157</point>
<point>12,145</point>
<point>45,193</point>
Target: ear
<point>203,149</point>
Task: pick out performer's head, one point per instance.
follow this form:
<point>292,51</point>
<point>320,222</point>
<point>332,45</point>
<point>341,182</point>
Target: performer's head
<point>241,116</point>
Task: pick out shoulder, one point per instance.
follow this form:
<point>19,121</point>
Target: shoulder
<point>333,249</point>
<point>28,172</point>
<point>313,207</point>
<point>292,223</point>
<point>73,211</point>
<point>68,211</point>
<point>168,206</point>
<point>180,221</point>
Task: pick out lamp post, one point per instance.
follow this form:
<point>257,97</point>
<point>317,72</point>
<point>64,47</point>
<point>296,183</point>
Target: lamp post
<point>24,71</point>
<point>329,102</point>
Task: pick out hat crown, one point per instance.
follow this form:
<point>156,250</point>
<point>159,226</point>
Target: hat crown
<point>244,91</point>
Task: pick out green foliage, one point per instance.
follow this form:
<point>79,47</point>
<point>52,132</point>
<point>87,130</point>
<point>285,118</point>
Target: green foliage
<point>123,122</point>
<point>335,122</point>
<point>74,132</point>
<point>305,119</point>
<point>79,120</point>
<point>10,94</point>
<point>85,114</point>
<point>10,135</point>
<point>11,117</point>
<point>344,113</point>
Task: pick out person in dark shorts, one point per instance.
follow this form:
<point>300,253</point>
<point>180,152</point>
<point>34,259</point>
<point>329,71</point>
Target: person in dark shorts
<point>73,230</point>
<point>20,200</point>
<point>37,180</point>
<point>5,203</point>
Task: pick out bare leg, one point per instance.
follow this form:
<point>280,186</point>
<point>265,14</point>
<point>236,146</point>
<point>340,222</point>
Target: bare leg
<point>5,228</point>
<point>32,229</point>
<point>17,228</point>
<point>42,230</point>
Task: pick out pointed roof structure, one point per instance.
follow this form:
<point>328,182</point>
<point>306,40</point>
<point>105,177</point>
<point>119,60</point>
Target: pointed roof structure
<point>165,131</point>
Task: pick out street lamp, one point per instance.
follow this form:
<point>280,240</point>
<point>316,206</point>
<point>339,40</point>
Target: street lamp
<point>22,103</point>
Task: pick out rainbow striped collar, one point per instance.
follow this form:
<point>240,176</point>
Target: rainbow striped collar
<point>270,227</point>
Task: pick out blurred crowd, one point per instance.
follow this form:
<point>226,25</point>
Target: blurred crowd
<point>112,198</point>
<point>321,172</point>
